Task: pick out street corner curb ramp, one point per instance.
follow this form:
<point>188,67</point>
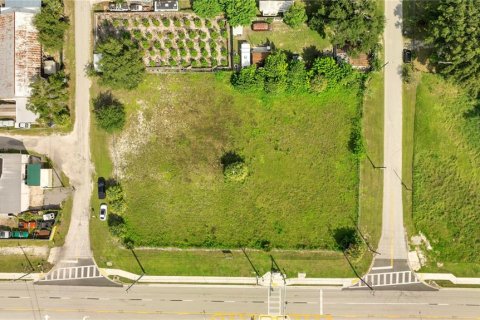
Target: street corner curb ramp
<point>79,272</point>
<point>390,275</point>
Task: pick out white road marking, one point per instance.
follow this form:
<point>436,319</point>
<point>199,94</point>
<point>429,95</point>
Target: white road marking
<point>382,268</point>
<point>321,302</point>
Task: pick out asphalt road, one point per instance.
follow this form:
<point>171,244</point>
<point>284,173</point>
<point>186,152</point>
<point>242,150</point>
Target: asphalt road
<point>25,301</point>
<point>392,244</point>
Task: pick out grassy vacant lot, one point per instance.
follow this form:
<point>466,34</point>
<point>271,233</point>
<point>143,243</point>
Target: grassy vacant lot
<point>302,40</point>
<point>296,147</point>
<point>303,179</point>
<point>446,174</point>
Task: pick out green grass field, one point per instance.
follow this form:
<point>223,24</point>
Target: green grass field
<point>446,171</point>
<point>292,146</point>
<point>296,147</point>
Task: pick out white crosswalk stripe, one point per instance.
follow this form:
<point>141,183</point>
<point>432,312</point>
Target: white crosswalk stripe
<point>72,273</point>
<point>388,279</point>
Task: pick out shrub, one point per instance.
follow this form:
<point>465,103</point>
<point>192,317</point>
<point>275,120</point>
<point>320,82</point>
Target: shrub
<point>173,53</point>
<point>177,23</point>
<point>295,16</point>
<point>183,52</point>
<point>137,34</point>
<point>203,35</point>
<point>116,22</point>
<point>213,62</point>
<point>236,172</point>
<point>126,23</point>
<point>193,52</point>
<point>214,53</point>
<point>152,63</point>
<point>135,23</point>
<point>172,62</point>
<point>213,45</point>
<point>223,62</point>
<point>155,22</point>
<point>145,22</point>
<point>186,22</point>
<point>166,22</point>
<point>208,23</point>
<point>168,44</point>
<point>224,51</point>
<point>195,63</point>
<point>197,22</point>
<point>170,35</point>
<point>181,35</point>
<point>190,44</point>
<point>145,43</point>
<point>109,113</point>
<point>204,52</point>
<point>224,33</point>
<point>149,35</point>
<point>116,199</point>
<point>202,44</point>
<point>151,52</point>
<point>162,52</point>
<point>204,62</point>
<point>214,35</point>
<point>184,63</point>
<point>192,34</point>
<point>157,44</point>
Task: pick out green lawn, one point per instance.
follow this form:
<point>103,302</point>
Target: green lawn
<point>300,40</point>
<point>371,176</point>
<point>446,175</point>
<point>301,175</point>
<point>18,263</point>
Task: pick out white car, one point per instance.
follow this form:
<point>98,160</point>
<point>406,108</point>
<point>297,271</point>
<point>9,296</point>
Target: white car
<point>49,216</point>
<point>103,212</point>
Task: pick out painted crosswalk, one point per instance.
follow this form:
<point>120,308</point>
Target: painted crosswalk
<point>73,273</point>
<point>388,279</point>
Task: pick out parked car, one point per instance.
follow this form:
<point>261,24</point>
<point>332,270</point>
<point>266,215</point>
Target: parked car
<point>103,212</point>
<point>24,125</point>
<point>7,123</point>
<point>4,234</point>
<point>49,216</point>
<point>407,56</point>
<point>19,234</point>
<point>45,224</point>
<point>101,188</point>
<point>136,7</point>
<point>261,26</point>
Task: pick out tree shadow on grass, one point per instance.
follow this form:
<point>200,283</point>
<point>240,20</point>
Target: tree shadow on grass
<point>229,158</point>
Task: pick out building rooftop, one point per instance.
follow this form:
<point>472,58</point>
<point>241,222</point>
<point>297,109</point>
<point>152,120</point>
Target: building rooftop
<point>20,54</point>
<point>166,5</point>
<point>12,190</point>
<point>274,7</point>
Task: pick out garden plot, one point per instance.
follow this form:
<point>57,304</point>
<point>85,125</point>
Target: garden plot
<point>171,40</point>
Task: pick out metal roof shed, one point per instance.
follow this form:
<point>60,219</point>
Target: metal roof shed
<point>33,174</point>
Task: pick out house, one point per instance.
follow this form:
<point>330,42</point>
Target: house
<point>166,5</point>
<point>245,55</point>
<point>272,8</point>
<point>359,61</point>
<point>20,62</point>
<point>259,54</point>
<point>14,193</point>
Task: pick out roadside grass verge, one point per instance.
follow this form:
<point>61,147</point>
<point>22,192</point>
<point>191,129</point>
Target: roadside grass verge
<point>446,175</point>
<point>371,175</point>
<point>18,263</point>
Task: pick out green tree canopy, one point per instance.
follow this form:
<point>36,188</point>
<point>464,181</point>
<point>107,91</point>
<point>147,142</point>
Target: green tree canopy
<point>49,99</point>
<point>240,12</point>
<point>121,64</point>
<point>454,31</point>
<point>51,24</point>
<point>355,24</point>
<point>297,77</point>
<point>295,15</point>
<point>207,8</point>
<point>109,113</point>
<point>275,71</point>
<point>248,79</point>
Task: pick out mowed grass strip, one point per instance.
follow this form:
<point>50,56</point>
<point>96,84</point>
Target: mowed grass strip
<point>303,180</point>
<point>447,171</point>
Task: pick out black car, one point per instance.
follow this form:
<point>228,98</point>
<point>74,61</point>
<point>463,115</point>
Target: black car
<point>101,188</point>
<point>407,56</point>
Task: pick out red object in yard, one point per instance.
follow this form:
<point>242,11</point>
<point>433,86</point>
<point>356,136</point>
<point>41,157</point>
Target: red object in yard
<point>42,234</point>
<point>30,225</point>
<point>261,26</point>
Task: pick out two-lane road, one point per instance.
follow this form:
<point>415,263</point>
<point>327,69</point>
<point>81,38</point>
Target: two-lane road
<point>25,301</point>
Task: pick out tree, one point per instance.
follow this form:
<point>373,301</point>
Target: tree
<point>207,8</point>
<point>355,24</point>
<point>275,71</point>
<point>49,99</point>
<point>116,199</point>
<point>237,171</point>
<point>109,112</point>
<point>328,68</point>
<point>248,79</point>
<point>295,16</point>
<point>297,77</point>
<point>51,24</point>
<point>240,12</point>
<point>121,64</point>
<point>454,32</point>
